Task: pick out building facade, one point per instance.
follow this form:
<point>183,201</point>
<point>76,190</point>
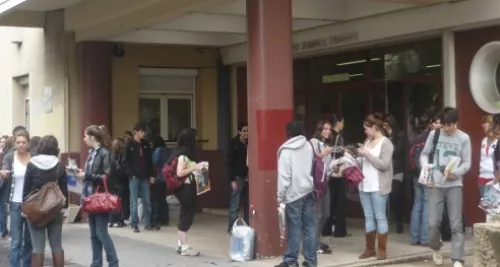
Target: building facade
<point>212,64</point>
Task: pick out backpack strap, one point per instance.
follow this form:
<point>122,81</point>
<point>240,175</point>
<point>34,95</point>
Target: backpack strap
<point>435,140</point>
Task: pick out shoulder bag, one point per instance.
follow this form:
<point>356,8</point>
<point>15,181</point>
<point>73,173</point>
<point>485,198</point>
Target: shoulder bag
<point>42,206</point>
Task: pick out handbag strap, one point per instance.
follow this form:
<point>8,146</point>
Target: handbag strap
<point>104,182</point>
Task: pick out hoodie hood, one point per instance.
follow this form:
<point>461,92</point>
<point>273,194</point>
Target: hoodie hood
<point>45,162</point>
<point>295,142</point>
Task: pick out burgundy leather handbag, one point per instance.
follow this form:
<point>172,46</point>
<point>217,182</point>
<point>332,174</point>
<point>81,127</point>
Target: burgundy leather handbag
<point>101,202</point>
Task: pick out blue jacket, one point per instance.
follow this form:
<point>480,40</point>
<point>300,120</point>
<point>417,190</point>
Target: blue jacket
<point>160,156</point>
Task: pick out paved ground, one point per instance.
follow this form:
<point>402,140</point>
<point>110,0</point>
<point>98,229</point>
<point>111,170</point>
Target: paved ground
<point>132,253</point>
<point>447,262</point>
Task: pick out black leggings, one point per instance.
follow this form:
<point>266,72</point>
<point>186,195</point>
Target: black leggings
<point>187,198</point>
<point>338,208</point>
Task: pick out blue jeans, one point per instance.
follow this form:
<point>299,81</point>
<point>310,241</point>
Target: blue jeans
<point>99,237</point>
<point>375,210</point>
<point>20,245</point>
<point>420,215</point>
<point>301,224</point>
<point>139,186</point>
<point>234,203</point>
<point>4,197</point>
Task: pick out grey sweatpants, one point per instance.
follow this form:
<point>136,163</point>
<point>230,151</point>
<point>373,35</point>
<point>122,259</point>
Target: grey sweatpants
<point>454,201</point>
<point>322,214</point>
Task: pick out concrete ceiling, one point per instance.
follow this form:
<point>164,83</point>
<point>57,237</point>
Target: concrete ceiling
<point>225,24</point>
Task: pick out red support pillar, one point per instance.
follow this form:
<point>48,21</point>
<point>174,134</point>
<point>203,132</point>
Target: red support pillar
<point>270,107</point>
<point>95,62</point>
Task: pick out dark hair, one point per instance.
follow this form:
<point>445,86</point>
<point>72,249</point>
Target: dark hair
<point>48,146</point>
<point>139,127</point>
<point>294,128</point>
<point>117,145</point>
<point>242,125</point>
<point>158,142</point>
<point>186,144</point>
<point>391,121</point>
<point>319,128</point>
<point>18,128</point>
<point>97,133</point>
<point>106,136</point>
<point>376,120</point>
<point>496,120</point>
<point>448,115</point>
<point>128,133</point>
<point>34,141</point>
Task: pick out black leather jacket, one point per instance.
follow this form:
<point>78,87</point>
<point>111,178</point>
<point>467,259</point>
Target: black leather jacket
<point>101,168</point>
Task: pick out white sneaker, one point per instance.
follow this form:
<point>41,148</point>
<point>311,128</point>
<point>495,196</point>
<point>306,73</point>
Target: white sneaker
<point>437,257</point>
<point>458,264</point>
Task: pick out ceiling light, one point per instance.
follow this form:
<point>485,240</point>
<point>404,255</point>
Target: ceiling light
<point>434,66</point>
<point>356,75</point>
<point>357,61</point>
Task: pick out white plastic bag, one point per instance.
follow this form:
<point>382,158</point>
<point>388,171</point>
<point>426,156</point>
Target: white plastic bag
<point>282,220</point>
<point>242,242</point>
<point>491,200</point>
<point>425,174</point>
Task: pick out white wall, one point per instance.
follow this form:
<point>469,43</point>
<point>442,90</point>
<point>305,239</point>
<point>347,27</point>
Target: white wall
<point>41,56</point>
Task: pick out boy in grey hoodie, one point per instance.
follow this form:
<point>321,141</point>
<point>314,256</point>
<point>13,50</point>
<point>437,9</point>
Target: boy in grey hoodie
<point>448,187</point>
<point>295,190</point>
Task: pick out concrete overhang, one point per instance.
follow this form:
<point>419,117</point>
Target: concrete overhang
<point>29,13</point>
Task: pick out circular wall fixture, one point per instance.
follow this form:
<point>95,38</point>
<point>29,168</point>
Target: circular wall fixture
<point>484,77</point>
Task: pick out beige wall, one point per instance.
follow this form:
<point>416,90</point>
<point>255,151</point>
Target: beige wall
<point>125,92</point>
<point>41,56</point>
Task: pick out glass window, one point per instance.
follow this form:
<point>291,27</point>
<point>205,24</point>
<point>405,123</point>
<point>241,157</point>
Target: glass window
<point>165,115</point>
<point>422,58</point>
<point>179,115</point>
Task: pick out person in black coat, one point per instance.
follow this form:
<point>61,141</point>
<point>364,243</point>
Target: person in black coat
<point>396,196</point>
<point>42,169</point>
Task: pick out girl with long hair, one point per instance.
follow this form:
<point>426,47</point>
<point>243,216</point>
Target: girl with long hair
<point>185,152</point>
<point>121,187</point>
<point>97,170</point>
<point>320,141</point>
<point>14,169</point>
<point>376,159</point>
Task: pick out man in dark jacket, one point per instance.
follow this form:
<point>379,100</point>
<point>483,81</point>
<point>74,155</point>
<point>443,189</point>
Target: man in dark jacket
<point>238,173</point>
<point>137,164</point>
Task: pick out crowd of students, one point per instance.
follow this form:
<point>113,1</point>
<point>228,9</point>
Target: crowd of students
<point>128,165</point>
<point>381,161</point>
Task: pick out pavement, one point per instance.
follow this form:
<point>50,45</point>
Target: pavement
<point>151,249</point>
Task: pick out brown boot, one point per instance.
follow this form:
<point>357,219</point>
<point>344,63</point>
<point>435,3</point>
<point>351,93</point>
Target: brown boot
<point>58,259</point>
<point>382,246</point>
<point>37,260</point>
<point>370,246</point>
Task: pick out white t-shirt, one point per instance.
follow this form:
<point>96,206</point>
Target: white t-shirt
<point>486,170</point>
<point>18,172</point>
<point>371,183</point>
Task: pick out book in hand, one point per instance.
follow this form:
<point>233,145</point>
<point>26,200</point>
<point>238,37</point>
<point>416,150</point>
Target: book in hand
<point>202,180</point>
